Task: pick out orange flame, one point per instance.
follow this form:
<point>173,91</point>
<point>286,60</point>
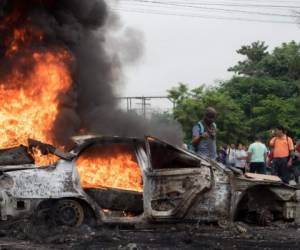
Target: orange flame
<point>29,106</point>
<point>116,168</point>
<point>21,38</point>
<point>30,91</point>
<point>29,102</point>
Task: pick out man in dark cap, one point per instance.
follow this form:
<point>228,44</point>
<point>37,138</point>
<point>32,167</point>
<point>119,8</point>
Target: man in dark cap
<point>204,134</point>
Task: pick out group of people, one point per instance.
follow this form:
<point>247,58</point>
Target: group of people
<point>280,153</point>
<point>233,156</point>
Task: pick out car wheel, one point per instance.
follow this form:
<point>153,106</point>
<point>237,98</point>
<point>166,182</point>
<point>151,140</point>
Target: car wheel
<point>68,213</point>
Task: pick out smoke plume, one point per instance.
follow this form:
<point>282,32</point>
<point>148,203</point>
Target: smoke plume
<point>83,28</point>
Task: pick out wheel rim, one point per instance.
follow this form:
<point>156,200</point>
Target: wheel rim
<point>69,213</point>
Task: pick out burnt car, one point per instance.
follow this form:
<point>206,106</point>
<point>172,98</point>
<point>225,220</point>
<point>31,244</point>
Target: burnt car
<point>128,180</point>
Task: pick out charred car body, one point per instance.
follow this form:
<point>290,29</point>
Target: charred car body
<point>176,186</point>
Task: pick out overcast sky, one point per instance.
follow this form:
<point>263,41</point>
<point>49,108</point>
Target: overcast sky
<point>192,50</point>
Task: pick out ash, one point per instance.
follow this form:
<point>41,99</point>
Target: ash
<point>27,235</point>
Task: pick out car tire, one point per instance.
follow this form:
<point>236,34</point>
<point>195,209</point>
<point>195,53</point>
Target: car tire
<point>68,212</point>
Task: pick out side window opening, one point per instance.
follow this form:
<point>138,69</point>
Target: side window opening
<point>165,156</point>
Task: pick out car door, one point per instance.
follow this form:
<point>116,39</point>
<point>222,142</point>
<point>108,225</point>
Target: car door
<point>175,178</point>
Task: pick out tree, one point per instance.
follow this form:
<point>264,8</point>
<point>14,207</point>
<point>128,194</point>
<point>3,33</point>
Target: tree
<point>255,53</point>
<point>284,62</point>
<point>190,106</point>
<point>230,120</point>
<point>263,93</point>
<point>268,96</point>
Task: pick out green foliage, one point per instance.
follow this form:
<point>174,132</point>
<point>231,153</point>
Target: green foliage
<point>263,93</point>
<point>191,104</point>
<point>284,62</point>
<point>188,106</point>
<point>230,120</point>
<point>255,54</point>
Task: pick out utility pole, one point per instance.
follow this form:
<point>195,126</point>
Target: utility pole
<point>144,102</point>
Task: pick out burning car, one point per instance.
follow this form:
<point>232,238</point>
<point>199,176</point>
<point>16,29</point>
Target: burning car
<point>128,180</point>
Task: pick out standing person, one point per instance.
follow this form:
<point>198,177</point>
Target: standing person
<point>241,157</point>
<point>297,150</point>
<point>257,156</point>
<point>269,163</point>
<point>282,148</point>
<point>205,133</point>
<point>296,162</point>
<point>231,156</point>
<point>222,154</point>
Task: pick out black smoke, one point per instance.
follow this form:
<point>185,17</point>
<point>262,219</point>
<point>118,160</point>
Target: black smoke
<point>82,27</point>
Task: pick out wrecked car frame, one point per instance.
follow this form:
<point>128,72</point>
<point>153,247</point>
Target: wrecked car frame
<point>177,186</point>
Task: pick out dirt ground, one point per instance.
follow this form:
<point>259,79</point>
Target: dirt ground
<point>233,236</point>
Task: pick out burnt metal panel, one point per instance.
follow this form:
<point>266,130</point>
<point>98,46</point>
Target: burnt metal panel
<point>117,199</point>
<point>173,192</point>
<point>215,203</point>
<point>52,182</point>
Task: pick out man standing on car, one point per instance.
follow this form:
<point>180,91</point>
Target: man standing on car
<point>257,156</point>
<point>204,134</point>
<point>282,148</point>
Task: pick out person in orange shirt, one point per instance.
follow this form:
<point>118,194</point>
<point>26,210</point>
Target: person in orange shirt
<point>282,146</point>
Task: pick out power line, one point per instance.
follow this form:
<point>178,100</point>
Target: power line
<point>223,4</point>
<point>269,1</point>
<point>217,9</point>
<point>199,16</point>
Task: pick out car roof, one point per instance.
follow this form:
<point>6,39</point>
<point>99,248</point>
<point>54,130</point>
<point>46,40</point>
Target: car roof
<point>86,140</point>
<point>104,138</point>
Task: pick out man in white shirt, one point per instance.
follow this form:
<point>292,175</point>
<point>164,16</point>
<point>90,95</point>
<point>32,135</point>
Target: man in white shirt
<point>231,156</point>
<point>241,158</point>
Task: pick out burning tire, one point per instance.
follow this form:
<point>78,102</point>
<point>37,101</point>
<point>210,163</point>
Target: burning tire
<point>68,213</point>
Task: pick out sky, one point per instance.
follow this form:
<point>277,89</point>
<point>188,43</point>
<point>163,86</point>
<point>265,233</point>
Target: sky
<point>192,50</point>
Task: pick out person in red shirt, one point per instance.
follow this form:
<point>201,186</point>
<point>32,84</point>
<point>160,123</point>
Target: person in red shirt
<point>282,147</point>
